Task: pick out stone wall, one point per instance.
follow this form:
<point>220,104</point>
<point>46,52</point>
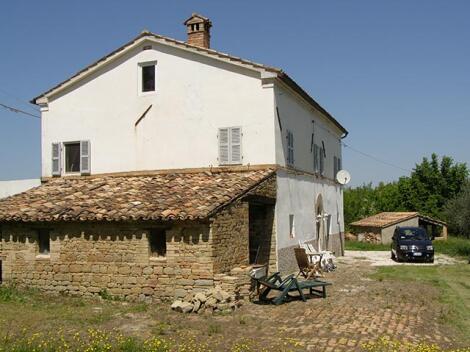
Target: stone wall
<point>88,258</point>
<point>229,230</point>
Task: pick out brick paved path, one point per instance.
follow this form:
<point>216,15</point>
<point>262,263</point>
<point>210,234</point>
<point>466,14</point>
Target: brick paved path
<point>357,310</point>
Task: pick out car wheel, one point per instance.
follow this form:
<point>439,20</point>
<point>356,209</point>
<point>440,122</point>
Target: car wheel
<point>392,255</point>
<point>431,260</point>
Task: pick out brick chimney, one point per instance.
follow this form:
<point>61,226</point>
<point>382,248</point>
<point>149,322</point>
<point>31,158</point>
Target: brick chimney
<point>198,30</point>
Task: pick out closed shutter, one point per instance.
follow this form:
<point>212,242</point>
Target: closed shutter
<point>340,166</point>
<point>322,160</point>
<point>235,145</point>
<point>56,164</point>
<point>290,148</point>
<point>85,167</point>
<point>316,158</point>
<point>335,166</point>
<point>223,146</point>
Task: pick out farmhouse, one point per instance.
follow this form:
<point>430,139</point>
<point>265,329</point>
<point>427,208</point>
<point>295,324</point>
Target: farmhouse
<point>379,228</point>
<point>169,167</point>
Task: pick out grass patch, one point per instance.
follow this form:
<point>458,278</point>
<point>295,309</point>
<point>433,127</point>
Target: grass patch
<point>454,246</point>
<point>451,280</point>
<point>364,246</point>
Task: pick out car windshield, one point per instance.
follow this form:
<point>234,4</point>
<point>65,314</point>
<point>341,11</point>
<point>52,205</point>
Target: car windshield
<point>412,234</point>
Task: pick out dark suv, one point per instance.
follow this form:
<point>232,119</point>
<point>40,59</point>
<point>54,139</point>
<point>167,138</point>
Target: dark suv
<point>412,243</point>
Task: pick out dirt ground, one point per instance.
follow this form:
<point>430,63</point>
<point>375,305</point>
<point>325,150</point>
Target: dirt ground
<point>383,258</point>
<point>358,309</point>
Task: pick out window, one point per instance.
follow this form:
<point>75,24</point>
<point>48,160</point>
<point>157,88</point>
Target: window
<point>75,156</point>
<point>322,160</point>
<point>290,148</point>
<point>72,157</point>
<point>336,165</point>
<point>44,242</point>
<point>148,78</point>
<point>157,243</point>
<point>230,145</point>
<point>291,226</point>
<point>316,158</point>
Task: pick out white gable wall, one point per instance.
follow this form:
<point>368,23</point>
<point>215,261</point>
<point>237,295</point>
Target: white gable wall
<point>194,96</point>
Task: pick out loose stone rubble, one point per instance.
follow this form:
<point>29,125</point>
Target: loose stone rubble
<point>214,300</point>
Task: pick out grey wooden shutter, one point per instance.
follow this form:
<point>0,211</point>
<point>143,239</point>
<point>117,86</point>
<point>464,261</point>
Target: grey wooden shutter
<point>291,148</point>
<point>236,145</point>
<point>322,160</point>
<point>56,164</point>
<point>316,158</point>
<point>335,166</point>
<point>85,167</point>
<point>223,146</point>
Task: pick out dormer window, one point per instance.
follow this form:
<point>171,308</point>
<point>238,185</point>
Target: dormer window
<point>147,77</point>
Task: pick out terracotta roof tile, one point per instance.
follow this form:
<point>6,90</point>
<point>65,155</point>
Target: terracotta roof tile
<point>385,219</point>
<point>183,196</point>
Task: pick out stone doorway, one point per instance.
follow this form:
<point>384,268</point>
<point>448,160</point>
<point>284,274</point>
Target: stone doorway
<point>261,236</point>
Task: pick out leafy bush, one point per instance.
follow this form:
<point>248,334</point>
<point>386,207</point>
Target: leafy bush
<point>457,212</point>
<point>10,293</point>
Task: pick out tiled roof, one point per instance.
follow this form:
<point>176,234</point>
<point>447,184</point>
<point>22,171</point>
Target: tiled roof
<point>172,196</point>
<point>385,219</point>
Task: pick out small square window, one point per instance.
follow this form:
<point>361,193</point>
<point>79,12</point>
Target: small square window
<point>72,157</point>
<point>148,78</point>
<point>157,243</point>
<point>44,242</point>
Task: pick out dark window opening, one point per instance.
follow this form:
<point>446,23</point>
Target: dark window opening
<point>44,241</point>
<point>148,78</point>
<point>72,157</point>
<point>157,242</point>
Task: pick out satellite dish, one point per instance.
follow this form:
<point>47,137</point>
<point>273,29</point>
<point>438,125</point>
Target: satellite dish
<point>343,177</point>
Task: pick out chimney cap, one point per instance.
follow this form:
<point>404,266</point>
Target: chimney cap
<point>197,18</point>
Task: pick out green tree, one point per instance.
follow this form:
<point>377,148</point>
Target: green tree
<point>428,188</point>
<point>457,212</point>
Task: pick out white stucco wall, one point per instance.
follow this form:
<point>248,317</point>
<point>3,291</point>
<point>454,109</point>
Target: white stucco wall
<point>297,194</point>
<point>297,116</point>
<point>195,95</point>
<point>9,188</point>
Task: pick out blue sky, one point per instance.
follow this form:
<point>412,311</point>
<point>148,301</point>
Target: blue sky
<point>395,73</point>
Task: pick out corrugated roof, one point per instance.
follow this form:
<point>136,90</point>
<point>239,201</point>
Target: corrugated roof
<point>172,196</point>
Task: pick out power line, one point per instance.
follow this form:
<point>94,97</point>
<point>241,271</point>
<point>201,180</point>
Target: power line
<point>19,100</point>
<point>375,158</point>
<point>18,111</point>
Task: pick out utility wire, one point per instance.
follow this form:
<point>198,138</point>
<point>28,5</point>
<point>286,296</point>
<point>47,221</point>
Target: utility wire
<point>21,101</point>
<point>375,158</point>
<point>18,111</point>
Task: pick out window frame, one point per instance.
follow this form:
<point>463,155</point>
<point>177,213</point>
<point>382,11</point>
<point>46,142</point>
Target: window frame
<point>140,73</point>
<point>154,252</point>
<point>40,242</point>
<point>64,158</point>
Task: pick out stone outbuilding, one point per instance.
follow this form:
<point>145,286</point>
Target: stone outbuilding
<point>139,236</point>
<point>379,228</point>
